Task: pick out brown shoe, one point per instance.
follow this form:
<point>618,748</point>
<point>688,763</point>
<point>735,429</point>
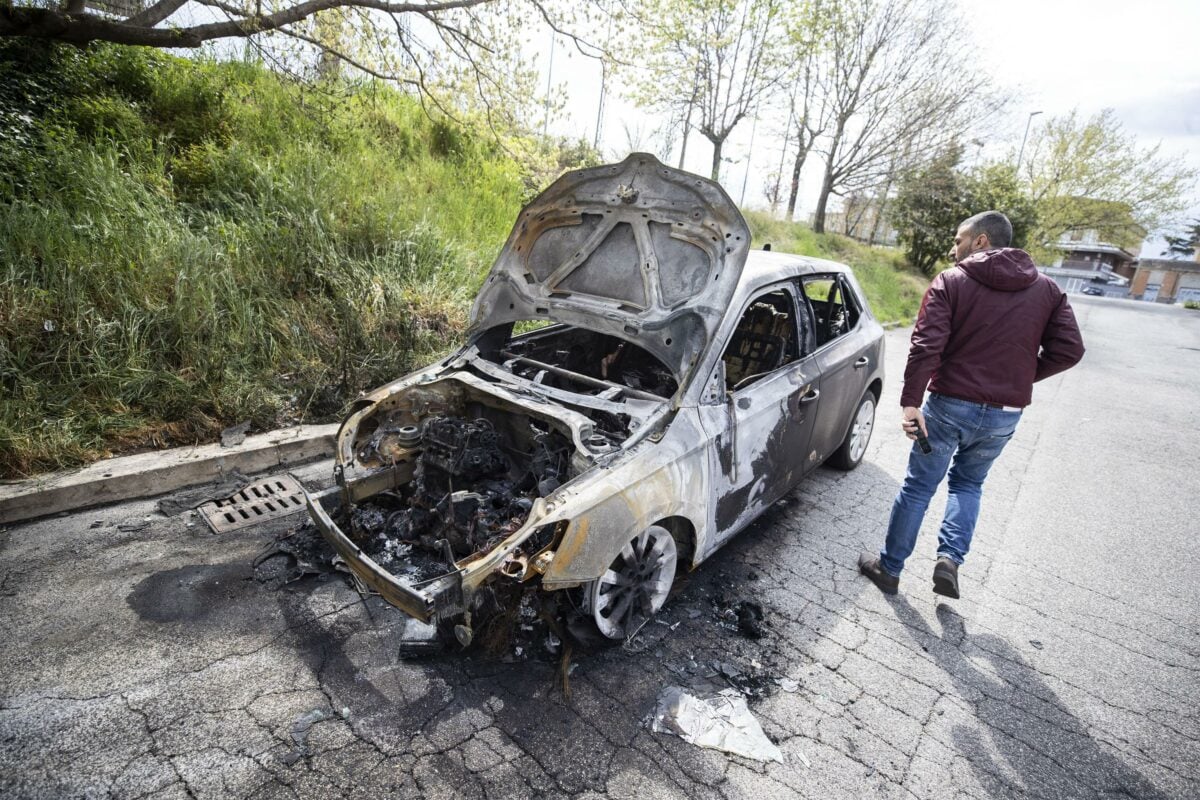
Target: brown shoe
<point>869,565</point>
<point>945,578</point>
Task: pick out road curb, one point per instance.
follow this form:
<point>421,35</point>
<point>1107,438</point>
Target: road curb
<point>148,474</point>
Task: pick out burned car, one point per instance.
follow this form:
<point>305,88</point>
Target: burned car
<point>637,385</point>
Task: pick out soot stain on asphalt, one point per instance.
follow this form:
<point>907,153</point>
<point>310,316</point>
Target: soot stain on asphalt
<point>196,593</point>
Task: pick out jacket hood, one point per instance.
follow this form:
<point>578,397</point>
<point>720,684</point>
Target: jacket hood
<point>1007,269</point>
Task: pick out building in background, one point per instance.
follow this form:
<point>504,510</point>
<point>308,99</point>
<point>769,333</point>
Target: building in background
<point>1088,263</point>
<point>1089,254</point>
<point>863,217</point>
<point>1165,280</point>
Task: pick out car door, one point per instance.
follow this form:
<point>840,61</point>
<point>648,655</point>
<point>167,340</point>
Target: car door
<point>761,429</point>
<point>844,357</point>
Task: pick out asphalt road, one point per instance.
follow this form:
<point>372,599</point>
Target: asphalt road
<point>148,663</point>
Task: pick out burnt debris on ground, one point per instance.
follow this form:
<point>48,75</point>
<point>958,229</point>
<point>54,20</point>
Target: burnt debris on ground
<point>745,617</point>
<point>294,554</point>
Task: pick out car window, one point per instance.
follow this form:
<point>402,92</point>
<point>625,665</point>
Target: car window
<point>765,339</point>
<point>835,311</point>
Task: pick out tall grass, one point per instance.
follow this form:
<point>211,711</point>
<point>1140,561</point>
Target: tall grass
<point>893,289</point>
<point>185,245</point>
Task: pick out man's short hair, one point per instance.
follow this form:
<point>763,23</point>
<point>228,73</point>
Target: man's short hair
<point>991,223</point>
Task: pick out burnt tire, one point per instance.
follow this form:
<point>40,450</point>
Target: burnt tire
<point>635,585</point>
<point>852,449</point>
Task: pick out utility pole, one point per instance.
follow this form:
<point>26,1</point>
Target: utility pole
<point>600,109</point>
<point>1021,154</point>
<point>549,76</point>
<point>749,157</point>
<point>687,120</point>
<point>603,84</point>
<point>787,135</point>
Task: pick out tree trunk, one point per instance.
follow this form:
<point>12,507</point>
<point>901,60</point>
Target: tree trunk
<point>883,199</point>
<point>852,228</point>
<point>823,201</point>
<point>879,211</point>
<point>801,157</point>
<point>687,126</point>
<point>827,182</point>
<point>716,162</point>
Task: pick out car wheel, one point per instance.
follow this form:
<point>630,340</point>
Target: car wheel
<point>854,446</point>
<point>635,585</point>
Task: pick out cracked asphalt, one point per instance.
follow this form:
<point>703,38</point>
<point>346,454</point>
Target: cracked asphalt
<point>149,663</point>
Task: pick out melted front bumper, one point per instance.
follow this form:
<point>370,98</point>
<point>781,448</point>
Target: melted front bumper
<point>438,599</point>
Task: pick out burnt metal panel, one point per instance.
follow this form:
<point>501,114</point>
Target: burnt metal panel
<point>638,250</point>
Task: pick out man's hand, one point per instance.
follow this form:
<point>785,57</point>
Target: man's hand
<point>913,418</point>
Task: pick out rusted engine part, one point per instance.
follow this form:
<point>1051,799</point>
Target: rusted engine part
<point>389,443</point>
<point>602,358</point>
<point>470,490</point>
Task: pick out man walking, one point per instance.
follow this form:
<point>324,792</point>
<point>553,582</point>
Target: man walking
<point>989,327</point>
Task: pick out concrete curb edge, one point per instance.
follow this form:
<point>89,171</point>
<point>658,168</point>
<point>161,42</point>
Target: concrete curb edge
<point>149,474</point>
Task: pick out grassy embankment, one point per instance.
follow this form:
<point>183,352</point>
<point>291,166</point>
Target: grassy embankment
<point>186,245</point>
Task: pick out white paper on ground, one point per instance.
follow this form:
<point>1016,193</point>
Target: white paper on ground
<point>720,721</point>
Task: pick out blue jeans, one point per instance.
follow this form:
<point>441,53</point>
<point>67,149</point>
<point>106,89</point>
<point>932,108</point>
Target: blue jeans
<point>966,438</point>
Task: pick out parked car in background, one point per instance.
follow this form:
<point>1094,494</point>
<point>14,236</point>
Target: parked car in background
<point>1092,290</point>
<point>637,385</point>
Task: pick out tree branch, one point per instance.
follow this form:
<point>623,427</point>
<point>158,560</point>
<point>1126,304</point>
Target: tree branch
<point>53,23</point>
<point>151,16</point>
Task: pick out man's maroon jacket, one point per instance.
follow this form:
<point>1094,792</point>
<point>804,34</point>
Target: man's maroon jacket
<point>988,328</point>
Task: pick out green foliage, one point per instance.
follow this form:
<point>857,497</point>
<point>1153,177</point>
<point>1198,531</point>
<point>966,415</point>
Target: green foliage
<point>1185,244</point>
<point>931,202</point>
<point>892,289</point>
<point>1089,174</point>
<point>1192,304</point>
<point>185,245</point>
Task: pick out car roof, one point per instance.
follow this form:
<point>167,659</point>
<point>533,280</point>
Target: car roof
<point>764,266</point>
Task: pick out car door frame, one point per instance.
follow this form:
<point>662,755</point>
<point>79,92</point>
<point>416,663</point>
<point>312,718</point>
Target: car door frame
<point>846,365</point>
<point>756,454</point>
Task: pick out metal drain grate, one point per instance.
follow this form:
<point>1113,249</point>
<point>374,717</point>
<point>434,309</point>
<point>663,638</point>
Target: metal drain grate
<point>270,498</point>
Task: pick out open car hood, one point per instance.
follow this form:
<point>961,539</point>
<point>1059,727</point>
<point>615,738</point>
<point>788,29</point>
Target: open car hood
<point>638,250</point>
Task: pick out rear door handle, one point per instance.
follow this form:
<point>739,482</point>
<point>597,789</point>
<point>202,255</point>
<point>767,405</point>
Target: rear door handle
<point>862,362</point>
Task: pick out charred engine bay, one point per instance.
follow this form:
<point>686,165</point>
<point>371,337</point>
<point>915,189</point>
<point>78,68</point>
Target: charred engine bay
<point>473,486</point>
<point>585,361</point>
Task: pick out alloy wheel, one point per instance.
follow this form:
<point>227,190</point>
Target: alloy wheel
<point>864,422</point>
<point>636,584</point>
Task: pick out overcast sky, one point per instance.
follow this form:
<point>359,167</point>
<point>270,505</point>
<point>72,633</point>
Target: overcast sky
<point>1140,58</point>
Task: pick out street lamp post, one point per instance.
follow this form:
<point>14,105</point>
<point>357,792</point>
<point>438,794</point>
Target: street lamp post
<point>1024,138</point>
<point>750,155</point>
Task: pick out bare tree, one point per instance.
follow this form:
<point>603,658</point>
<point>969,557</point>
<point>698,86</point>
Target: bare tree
<point>713,60</point>
<point>898,91</point>
<point>808,106</point>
